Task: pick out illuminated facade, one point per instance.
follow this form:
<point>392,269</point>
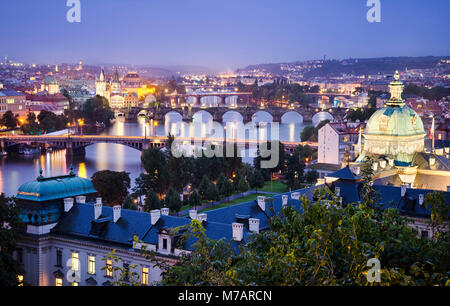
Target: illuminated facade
<point>395,138</point>
<point>126,93</point>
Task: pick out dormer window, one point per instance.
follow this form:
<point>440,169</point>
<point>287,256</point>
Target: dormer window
<point>164,241</point>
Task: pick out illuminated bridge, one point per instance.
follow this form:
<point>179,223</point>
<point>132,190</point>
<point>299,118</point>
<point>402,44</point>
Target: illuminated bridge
<point>77,143</point>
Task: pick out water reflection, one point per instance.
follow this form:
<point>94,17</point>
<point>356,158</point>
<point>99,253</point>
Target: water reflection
<point>18,169</point>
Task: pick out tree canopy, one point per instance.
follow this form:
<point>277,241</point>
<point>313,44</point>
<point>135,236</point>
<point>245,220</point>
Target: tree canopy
<point>112,186</point>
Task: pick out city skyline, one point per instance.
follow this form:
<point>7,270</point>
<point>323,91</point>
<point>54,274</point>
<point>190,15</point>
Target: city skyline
<point>164,34</point>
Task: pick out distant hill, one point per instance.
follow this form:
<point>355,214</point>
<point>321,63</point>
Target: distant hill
<point>349,66</point>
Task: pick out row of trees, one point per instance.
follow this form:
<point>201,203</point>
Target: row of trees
<point>9,120</point>
<point>45,122</point>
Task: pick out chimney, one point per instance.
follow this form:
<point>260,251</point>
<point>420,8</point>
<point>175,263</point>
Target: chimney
<point>116,212</point>
<point>284,199</point>
<point>403,190</point>
<point>202,217</point>
<point>421,198</point>
<point>337,190</point>
<point>295,195</point>
<point>68,203</point>
<point>98,208</point>
<point>165,211</point>
<point>154,216</point>
<point>80,199</point>
<point>375,166</point>
<point>193,214</point>
<point>253,225</point>
<point>238,231</point>
<point>432,161</point>
<point>261,203</point>
<point>391,162</point>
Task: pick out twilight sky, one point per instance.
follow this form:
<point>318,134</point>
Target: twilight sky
<point>220,34</point>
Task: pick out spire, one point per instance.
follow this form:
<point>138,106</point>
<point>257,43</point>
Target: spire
<point>116,77</point>
<point>396,89</point>
<point>102,75</point>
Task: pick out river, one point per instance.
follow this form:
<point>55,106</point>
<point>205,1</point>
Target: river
<point>18,169</point>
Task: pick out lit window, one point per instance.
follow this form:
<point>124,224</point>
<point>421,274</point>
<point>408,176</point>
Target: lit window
<point>108,270</point>
<point>91,264</point>
<point>75,262</point>
<point>58,282</point>
<point>74,284</point>
<point>144,276</point>
<point>20,279</point>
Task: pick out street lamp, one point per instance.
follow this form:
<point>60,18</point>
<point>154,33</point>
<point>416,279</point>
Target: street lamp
<point>155,124</point>
<point>81,123</point>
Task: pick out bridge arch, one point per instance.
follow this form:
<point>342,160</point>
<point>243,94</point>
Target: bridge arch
<point>231,100</point>
<point>202,116</point>
<point>232,116</point>
<point>173,116</point>
<point>210,100</point>
<point>262,116</point>
<point>321,116</point>
<point>292,117</point>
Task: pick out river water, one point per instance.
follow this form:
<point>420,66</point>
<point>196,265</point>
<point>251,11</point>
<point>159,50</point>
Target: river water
<point>18,169</point>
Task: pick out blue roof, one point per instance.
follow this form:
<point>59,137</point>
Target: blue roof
<point>390,197</point>
<point>79,221</point>
<point>345,174</point>
<point>52,188</point>
<point>10,93</point>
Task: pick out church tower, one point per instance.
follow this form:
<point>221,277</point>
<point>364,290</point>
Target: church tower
<point>115,84</point>
<point>100,86</point>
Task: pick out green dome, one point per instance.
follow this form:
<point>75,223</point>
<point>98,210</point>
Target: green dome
<point>52,188</point>
<point>395,121</point>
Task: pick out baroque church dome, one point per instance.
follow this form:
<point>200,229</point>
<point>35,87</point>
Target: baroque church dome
<point>395,130</point>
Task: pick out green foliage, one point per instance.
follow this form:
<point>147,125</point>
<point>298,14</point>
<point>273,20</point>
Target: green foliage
<point>112,186</point>
<point>326,244</point>
<point>256,180</point>
<point>97,109</point>
<point>207,265</point>
<point>242,184</point>
<point>121,276</point>
<point>9,267</point>
<point>203,187</point>
<point>49,122</point>
<point>31,126</point>
<point>154,162</point>
<point>152,201</point>
<point>128,203</point>
<point>435,202</point>
<point>212,194</point>
<point>9,120</point>
<point>435,93</point>
<point>311,176</point>
<point>172,200</point>
<point>224,186</point>
<point>281,158</point>
<point>361,114</point>
<point>307,133</point>
<point>195,199</point>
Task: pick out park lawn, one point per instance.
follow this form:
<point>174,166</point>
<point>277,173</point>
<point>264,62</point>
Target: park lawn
<point>248,198</point>
<point>277,187</point>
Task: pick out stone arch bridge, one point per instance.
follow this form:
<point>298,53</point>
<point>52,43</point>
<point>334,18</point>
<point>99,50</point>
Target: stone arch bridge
<point>247,113</point>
